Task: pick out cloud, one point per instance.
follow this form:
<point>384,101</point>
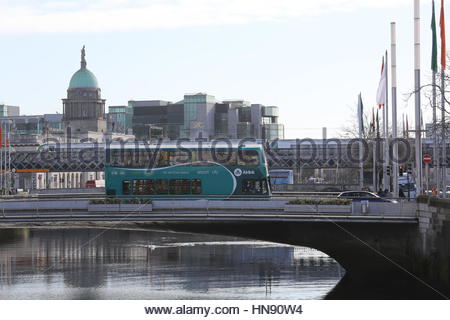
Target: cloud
<point>88,16</point>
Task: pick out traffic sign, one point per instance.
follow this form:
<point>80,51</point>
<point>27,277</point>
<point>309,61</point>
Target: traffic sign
<point>427,158</point>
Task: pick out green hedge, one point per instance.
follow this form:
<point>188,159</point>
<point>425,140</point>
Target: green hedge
<point>120,201</point>
<point>434,201</point>
<point>422,198</point>
<point>338,202</point>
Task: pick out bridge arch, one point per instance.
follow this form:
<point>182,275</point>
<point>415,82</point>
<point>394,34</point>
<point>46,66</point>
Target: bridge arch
<point>375,256</point>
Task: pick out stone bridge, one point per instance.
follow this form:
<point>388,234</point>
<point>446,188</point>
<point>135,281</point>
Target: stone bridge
<point>401,252</point>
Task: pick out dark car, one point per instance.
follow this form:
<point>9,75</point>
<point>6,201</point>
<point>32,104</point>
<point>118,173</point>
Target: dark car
<point>362,195</point>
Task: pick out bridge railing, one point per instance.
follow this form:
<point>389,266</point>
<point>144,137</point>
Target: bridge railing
<point>402,208</point>
<point>199,208</point>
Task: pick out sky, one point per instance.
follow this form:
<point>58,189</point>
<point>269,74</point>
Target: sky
<point>309,58</point>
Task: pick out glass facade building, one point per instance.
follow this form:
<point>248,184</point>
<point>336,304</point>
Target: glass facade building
<point>201,115</point>
<point>197,111</point>
<point>120,119</point>
<point>272,131</point>
<point>153,119</point>
<point>245,130</point>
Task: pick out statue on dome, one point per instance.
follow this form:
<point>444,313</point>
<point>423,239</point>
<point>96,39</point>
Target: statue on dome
<point>83,57</point>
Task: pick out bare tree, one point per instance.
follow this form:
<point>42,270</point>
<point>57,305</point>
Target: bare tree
<point>351,129</point>
<point>427,90</point>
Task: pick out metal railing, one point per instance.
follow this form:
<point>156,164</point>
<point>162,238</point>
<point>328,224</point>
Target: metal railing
<point>115,208</point>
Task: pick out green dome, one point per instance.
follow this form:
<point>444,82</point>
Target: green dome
<point>83,78</point>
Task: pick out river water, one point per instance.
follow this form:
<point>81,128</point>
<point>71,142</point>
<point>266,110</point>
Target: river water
<point>116,264</point>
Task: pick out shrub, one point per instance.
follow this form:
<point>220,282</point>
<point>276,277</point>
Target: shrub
<point>434,201</point>
<point>422,198</point>
<point>120,201</point>
<point>338,202</point>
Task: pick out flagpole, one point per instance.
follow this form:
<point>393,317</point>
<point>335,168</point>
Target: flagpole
<point>374,144</point>
<point>443,126</point>
<point>361,146</point>
<point>418,135</point>
<point>374,166</point>
<point>386,182</point>
<point>377,156</point>
<point>434,131</point>
<point>9,155</point>
<point>1,157</point>
<point>434,68</point>
<point>4,158</point>
<point>443,133</point>
<point>394,108</point>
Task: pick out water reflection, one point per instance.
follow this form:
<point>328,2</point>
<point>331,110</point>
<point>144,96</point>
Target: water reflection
<point>111,264</point>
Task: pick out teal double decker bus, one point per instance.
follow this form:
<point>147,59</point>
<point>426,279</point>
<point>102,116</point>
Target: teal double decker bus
<point>187,171</point>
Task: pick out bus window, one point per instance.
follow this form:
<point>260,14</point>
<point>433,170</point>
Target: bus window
<point>179,157</point>
<point>163,159</point>
<point>126,187</point>
<point>248,158</point>
<point>194,156</point>
<point>258,186</point>
<point>134,187</point>
<point>264,189</point>
<point>208,155</point>
<point>135,156</point>
<point>138,187</point>
<point>196,186</point>
<point>116,158</point>
<point>179,186</point>
<point>161,186</point>
<point>225,157</point>
<point>128,158</point>
<point>202,158</point>
<point>250,186</point>
<point>147,187</point>
<point>143,159</point>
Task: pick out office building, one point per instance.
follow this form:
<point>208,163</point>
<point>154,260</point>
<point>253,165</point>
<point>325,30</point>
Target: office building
<point>120,119</point>
<point>201,115</point>
<point>154,119</point>
<point>9,111</point>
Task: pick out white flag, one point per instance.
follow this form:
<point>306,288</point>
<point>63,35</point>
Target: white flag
<point>381,93</point>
